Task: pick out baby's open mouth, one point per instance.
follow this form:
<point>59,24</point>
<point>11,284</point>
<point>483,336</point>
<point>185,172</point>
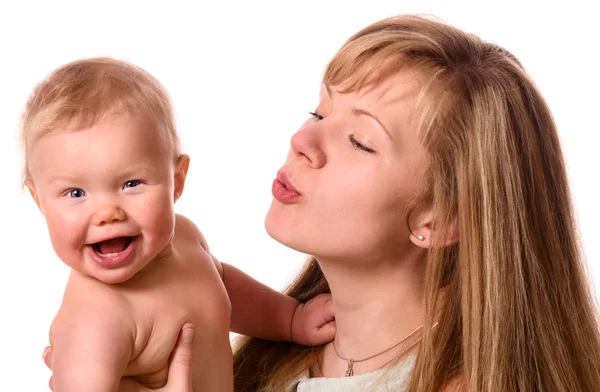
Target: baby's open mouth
<point>113,246</point>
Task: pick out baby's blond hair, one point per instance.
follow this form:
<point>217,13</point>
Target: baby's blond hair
<point>79,94</point>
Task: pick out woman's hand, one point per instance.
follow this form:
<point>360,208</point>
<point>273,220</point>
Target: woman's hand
<point>180,367</point>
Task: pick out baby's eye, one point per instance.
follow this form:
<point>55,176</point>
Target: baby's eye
<point>76,193</point>
<point>132,183</point>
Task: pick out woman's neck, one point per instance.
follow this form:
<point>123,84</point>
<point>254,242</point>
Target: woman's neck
<point>375,307</point>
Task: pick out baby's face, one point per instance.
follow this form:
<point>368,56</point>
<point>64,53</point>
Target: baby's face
<point>107,194</point>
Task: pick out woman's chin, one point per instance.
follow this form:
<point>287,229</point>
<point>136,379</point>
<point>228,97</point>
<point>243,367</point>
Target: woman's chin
<point>284,234</point>
<point>276,229</point>
<point>276,225</point>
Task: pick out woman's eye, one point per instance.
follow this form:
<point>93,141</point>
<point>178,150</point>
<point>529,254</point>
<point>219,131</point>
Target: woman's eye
<point>316,116</point>
<point>359,146</point>
<point>76,193</point>
<point>132,183</point>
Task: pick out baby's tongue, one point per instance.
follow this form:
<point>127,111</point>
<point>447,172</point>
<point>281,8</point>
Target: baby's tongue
<point>115,245</point>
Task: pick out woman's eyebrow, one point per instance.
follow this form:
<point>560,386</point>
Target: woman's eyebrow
<point>359,112</point>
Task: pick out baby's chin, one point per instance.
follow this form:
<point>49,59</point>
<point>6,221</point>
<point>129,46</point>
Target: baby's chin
<point>109,275</point>
<point>115,276</point>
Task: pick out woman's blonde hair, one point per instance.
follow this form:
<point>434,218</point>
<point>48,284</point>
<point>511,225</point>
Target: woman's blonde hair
<point>517,313</point>
<point>78,94</point>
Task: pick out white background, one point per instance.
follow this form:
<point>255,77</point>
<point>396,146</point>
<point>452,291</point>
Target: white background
<point>242,76</point>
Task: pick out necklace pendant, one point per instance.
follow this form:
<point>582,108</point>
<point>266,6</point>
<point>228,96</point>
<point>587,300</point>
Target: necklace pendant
<point>350,370</point>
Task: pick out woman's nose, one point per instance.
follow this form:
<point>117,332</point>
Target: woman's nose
<point>307,143</point>
<point>109,214</point>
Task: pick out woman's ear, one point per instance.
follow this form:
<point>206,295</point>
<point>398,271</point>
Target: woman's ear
<point>181,169</point>
<point>422,232</point>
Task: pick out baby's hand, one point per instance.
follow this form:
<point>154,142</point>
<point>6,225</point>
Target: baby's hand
<point>313,322</point>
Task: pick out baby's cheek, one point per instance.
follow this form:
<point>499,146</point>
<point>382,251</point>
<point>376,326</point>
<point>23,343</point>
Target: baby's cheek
<point>160,217</point>
<point>67,236</point>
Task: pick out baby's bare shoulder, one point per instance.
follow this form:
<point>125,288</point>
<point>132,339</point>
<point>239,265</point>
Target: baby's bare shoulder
<point>187,230</point>
<point>83,291</point>
<point>95,308</point>
<point>189,237</point>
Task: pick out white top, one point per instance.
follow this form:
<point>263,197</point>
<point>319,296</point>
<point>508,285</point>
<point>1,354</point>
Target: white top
<point>387,379</point>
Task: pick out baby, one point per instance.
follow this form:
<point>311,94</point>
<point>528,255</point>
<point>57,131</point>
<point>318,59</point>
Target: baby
<point>103,163</point>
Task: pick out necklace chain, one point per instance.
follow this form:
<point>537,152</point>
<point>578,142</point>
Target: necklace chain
<point>351,362</point>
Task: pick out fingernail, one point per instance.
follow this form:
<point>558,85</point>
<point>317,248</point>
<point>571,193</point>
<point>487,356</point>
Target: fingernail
<point>187,335</point>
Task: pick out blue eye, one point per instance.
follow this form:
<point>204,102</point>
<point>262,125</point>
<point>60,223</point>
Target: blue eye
<point>132,184</point>
<point>76,193</point>
<point>316,115</point>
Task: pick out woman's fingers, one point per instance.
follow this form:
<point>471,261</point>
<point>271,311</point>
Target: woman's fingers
<point>180,367</point>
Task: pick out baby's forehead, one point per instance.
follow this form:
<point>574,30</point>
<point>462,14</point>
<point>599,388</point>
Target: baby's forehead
<point>77,95</point>
<point>104,151</point>
<point>111,121</point>
<point>136,132</point>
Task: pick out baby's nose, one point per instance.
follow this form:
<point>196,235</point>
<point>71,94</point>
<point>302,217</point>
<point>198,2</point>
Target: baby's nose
<point>109,214</point>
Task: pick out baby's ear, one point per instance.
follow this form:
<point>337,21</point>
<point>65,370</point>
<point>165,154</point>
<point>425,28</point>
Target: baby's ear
<point>31,187</point>
<point>181,169</point>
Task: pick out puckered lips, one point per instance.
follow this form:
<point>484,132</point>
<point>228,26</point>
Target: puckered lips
<point>113,252</point>
<point>283,190</point>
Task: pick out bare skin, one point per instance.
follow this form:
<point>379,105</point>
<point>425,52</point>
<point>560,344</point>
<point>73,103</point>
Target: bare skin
<point>139,271</point>
<point>140,319</point>
<point>357,163</point>
<point>180,366</point>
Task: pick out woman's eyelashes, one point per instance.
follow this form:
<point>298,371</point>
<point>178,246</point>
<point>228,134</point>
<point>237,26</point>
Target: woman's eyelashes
<point>357,145</point>
<point>360,146</point>
<point>316,116</point>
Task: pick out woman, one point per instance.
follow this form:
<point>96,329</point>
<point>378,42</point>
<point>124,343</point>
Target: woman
<point>429,186</point>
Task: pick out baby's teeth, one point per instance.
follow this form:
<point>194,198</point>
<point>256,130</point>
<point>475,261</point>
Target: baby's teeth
<point>109,254</point>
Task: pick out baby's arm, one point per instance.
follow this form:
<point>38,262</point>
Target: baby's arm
<point>259,311</point>
<point>91,349</point>
<point>256,309</point>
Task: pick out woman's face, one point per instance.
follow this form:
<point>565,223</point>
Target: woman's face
<point>351,171</point>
